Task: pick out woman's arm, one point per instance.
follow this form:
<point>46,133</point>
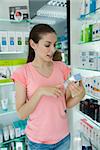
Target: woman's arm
<point>74,94</point>
<point>25,107</point>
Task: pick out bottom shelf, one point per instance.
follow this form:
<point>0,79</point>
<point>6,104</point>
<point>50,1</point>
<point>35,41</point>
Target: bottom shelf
<point>17,143</point>
<point>86,142</point>
<point>14,140</point>
<point>90,119</point>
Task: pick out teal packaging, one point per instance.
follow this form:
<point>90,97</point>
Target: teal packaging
<point>92,6</point>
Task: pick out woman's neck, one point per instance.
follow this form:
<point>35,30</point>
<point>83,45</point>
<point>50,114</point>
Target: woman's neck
<point>41,64</point>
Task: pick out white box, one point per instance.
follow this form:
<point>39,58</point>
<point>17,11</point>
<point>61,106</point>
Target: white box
<point>25,40</point>
<point>5,72</point>
<point>6,133</point>
<point>95,32</point>
<point>19,146</point>
<point>96,86</point>
<point>92,60</point>
<point>82,8</point>
<point>99,61</point>
<point>4,41</point>
<point>87,8</point>
<point>1,136</point>
<point>19,41</point>
<point>83,59</point>
<point>97,4</point>
<point>11,41</point>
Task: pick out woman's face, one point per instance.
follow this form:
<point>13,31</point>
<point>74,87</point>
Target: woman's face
<point>45,48</point>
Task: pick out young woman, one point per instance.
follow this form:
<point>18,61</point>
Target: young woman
<point>40,93</point>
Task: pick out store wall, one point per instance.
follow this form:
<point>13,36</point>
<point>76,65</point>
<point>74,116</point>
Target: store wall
<point>5,4</point>
<point>6,25</point>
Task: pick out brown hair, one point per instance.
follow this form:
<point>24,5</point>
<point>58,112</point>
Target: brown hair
<point>36,34</point>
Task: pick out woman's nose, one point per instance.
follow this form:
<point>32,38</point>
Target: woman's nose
<point>53,49</point>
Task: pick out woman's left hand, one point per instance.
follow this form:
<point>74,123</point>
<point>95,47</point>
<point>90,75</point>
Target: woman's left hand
<point>76,89</point>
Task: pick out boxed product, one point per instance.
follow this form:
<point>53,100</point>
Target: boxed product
<point>25,41</point>
<point>18,13</point>
<point>19,41</point>
<point>92,60</point>
<point>11,41</point>
<point>3,41</point>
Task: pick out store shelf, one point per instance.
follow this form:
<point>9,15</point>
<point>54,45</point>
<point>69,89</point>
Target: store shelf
<point>15,139</point>
<point>90,119</point>
<point>86,72</point>
<point>52,11</point>
<point>91,42</point>
<point>14,21</point>
<point>88,139</point>
<point>91,16</point>
<point>92,96</point>
<point>12,52</point>
<point>10,82</point>
<point>39,18</point>
<point>6,81</point>
<point>2,113</point>
<point>87,69</point>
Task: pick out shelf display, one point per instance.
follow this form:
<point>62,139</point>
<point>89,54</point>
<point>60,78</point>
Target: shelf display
<point>14,33</point>
<point>91,108</point>
<point>12,41</point>
<point>88,8</point>
<point>7,67</point>
<point>88,65</point>
<point>90,132</point>
<point>13,133</point>
<point>8,112</point>
<point>18,13</point>
<point>90,32</point>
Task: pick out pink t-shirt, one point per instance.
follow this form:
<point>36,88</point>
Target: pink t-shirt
<point>48,122</point>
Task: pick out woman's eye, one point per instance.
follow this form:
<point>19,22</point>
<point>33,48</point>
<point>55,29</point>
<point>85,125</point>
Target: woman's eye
<point>55,45</point>
<point>47,45</point>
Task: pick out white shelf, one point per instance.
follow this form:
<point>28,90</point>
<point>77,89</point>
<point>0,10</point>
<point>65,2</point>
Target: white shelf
<point>91,42</point>
<point>12,52</point>
<point>52,11</point>
<point>86,72</point>
<point>91,16</point>
<point>7,83</point>
<point>2,113</point>
<point>88,138</point>
<point>90,119</point>
<point>13,140</point>
<point>14,21</point>
<point>95,97</point>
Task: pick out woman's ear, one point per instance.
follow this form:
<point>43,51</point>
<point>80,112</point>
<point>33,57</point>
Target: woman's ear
<point>32,44</point>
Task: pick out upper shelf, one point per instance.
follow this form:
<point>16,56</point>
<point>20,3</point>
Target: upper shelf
<point>7,112</point>
<point>7,83</point>
<point>15,21</point>
<point>87,70</point>
<point>12,52</point>
<point>91,42</point>
<point>41,17</point>
<point>91,16</point>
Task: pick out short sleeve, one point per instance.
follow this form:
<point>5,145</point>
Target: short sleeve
<point>19,76</point>
<point>66,70</point>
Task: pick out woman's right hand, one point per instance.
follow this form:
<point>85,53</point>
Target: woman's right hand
<point>54,90</point>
